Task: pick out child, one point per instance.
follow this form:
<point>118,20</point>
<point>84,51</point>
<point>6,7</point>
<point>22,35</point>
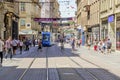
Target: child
<point>95,46</point>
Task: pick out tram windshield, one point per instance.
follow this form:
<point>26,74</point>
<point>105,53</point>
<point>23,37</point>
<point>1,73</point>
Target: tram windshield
<point>46,37</point>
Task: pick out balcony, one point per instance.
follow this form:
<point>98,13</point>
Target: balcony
<point>9,0</point>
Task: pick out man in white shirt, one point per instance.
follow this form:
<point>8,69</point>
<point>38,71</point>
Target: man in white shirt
<point>1,50</point>
<point>14,45</point>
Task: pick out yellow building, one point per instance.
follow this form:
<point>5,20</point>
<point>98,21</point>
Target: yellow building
<point>110,21</point>
<point>27,13</point>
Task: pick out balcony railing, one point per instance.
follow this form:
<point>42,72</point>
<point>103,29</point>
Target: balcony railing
<point>9,0</point>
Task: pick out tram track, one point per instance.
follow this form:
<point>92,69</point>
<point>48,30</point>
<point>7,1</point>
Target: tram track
<point>92,74</point>
<point>26,70</point>
<point>59,53</point>
<point>31,63</point>
<point>47,75</point>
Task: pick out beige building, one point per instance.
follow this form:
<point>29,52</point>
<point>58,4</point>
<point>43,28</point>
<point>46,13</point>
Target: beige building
<point>94,20</point>
<point>81,12</point>
<point>49,9</point>
<point>55,14</point>
<point>102,22</point>
<point>110,21</point>
<point>83,17</point>
<point>27,13</point>
<point>9,19</point>
<point>2,28</point>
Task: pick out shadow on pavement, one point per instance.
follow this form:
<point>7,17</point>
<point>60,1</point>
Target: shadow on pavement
<point>13,73</point>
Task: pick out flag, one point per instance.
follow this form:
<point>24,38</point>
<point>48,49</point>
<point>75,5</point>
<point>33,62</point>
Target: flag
<point>72,7</point>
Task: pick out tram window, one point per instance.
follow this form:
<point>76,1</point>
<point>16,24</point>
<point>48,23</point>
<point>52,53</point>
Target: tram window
<point>45,37</point>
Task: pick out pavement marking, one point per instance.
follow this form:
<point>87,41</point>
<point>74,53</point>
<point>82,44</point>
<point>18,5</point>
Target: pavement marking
<point>68,73</point>
<point>26,69</point>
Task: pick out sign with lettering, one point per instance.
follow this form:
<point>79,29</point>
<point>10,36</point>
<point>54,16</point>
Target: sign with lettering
<point>52,19</point>
<point>111,18</point>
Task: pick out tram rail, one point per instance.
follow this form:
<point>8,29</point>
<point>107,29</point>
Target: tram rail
<point>27,69</point>
<point>89,72</point>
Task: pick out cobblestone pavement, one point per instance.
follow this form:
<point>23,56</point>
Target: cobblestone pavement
<point>56,64</point>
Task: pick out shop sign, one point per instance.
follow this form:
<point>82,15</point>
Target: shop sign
<point>111,18</point>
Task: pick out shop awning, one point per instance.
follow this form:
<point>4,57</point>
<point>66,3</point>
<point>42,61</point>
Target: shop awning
<point>26,32</point>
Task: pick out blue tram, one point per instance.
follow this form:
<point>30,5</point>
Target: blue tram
<point>46,39</point>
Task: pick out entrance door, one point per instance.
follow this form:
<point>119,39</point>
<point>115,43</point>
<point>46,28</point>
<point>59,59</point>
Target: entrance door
<point>118,39</point>
<point>14,30</point>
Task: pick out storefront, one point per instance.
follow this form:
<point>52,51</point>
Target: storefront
<point>95,33</point>
<point>118,33</point>
<point>104,29</point>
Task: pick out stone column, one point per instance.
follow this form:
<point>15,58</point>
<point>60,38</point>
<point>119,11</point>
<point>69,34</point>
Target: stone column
<point>9,26</point>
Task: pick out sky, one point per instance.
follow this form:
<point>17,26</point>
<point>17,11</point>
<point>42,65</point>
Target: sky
<point>67,8</point>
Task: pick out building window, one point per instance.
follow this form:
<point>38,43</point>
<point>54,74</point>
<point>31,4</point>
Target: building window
<point>22,22</point>
<point>22,6</point>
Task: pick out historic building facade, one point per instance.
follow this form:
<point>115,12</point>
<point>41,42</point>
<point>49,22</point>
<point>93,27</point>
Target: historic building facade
<point>110,21</point>
<point>50,9</point>
<point>102,20</point>
<point>2,28</point>
<point>9,19</point>
<point>27,13</point>
<point>94,20</point>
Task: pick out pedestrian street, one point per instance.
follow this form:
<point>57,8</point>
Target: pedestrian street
<point>54,64</point>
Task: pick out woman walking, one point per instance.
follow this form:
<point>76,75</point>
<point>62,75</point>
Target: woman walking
<point>1,50</point>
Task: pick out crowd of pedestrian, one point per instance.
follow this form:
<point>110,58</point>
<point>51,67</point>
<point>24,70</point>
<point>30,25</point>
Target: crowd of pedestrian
<point>8,47</point>
<point>101,46</point>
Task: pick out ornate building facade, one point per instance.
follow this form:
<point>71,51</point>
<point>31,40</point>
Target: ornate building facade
<point>28,10</point>
<point>9,19</point>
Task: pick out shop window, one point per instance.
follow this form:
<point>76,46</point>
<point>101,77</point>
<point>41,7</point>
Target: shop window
<point>118,38</point>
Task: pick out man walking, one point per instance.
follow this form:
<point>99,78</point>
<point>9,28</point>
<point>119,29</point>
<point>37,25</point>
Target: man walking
<point>109,45</point>
<point>8,46</point>
<point>1,50</point>
<point>14,45</point>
